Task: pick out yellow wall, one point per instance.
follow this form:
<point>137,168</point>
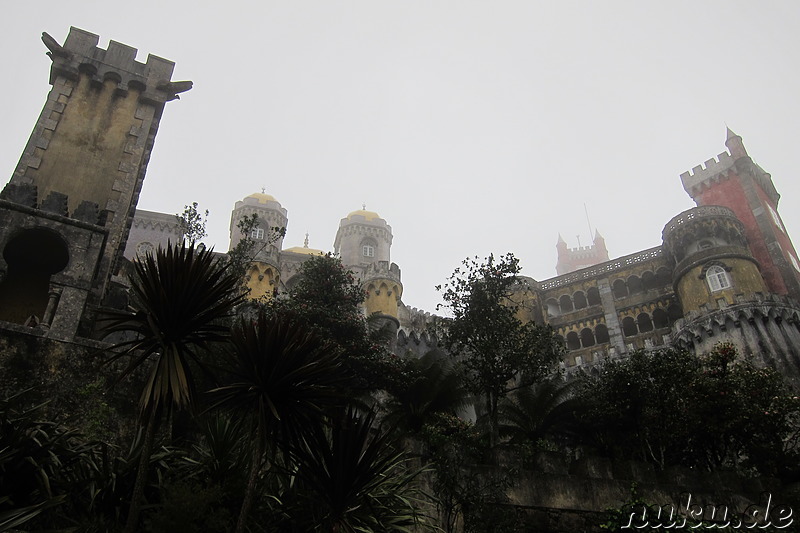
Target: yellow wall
<point>694,292</point>
<point>83,156</point>
<point>382,297</point>
<point>261,279</point>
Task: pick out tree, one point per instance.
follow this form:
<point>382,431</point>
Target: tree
<point>547,409</point>
<point>180,297</point>
<point>434,385</point>
<point>192,223</point>
<point>328,298</point>
<point>284,378</point>
<point>500,351</point>
<point>712,411</point>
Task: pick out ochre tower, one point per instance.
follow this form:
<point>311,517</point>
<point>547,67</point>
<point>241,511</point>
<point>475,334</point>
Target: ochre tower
<point>67,210</point>
<point>363,242</point>
<point>263,272</point>
<point>735,181</point>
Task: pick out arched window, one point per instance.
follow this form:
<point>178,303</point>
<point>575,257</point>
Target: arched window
<point>579,299</point>
<point>368,247</point>
<point>649,280</point>
<point>620,289</point>
<point>645,324</point>
<point>629,326</point>
<point>587,337</point>
<point>601,334</point>
<point>660,318</point>
<point>635,285</point>
<point>566,304</point>
<point>717,278</point>
<point>573,342</point>
<point>553,309</point>
<point>593,296</point>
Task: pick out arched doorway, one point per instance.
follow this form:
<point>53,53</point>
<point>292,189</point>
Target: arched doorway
<point>32,257</point>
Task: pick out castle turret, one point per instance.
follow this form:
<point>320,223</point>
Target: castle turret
<point>572,259</point>
<point>263,272</point>
<point>363,242</point>
<point>735,181</point>
<point>722,291</point>
<point>78,181</point>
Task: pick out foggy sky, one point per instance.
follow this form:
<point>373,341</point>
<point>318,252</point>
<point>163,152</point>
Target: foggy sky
<point>471,127</point>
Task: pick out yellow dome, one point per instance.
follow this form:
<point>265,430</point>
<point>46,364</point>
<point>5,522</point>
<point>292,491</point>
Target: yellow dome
<point>304,250</point>
<point>262,198</point>
<point>369,215</point>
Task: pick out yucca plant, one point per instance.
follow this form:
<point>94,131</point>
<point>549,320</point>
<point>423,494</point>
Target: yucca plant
<point>351,477</point>
<point>436,386</point>
<point>180,298</point>
<point>284,379</point>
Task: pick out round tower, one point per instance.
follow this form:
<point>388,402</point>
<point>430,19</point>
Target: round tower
<point>713,265</point>
<point>723,292</point>
<point>263,271</point>
<point>363,243</point>
<point>363,238</point>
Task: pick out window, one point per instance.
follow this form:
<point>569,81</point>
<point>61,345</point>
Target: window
<point>717,278</point>
<point>368,250</point>
<point>704,245</point>
<point>257,233</point>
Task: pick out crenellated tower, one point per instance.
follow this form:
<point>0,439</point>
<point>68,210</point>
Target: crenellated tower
<point>572,259</point>
<point>75,188</point>
<point>723,294</point>
<point>735,181</point>
<point>363,242</point>
<point>263,272</point>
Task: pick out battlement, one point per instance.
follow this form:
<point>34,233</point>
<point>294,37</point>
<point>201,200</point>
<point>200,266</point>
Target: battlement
<point>382,269</point>
<point>704,173</point>
<point>80,55</point>
<point>55,203</point>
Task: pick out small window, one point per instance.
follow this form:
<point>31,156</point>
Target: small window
<point>368,250</point>
<point>717,278</point>
<point>705,245</point>
<point>257,234</point>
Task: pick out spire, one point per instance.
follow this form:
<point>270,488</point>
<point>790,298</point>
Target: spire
<point>734,144</point>
<point>305,243</point>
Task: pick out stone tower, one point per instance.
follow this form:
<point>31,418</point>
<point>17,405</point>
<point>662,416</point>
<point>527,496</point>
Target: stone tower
<point>67,210</point>
<point>363,243</point>
<point>263,272</point>
<point>735,181</point>
<point>723,293</point>
<point>572,259</point>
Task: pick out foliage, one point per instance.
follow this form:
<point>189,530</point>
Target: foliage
<point>714,411</point>
<point>283,379</point>
<point>550,409</point>
<point>247,248</point>
<point>499,351</point>
<point>466,493</point>
<point>181,296</point>
<point>192,223</point>
<point>350,477</point>
<point>327,298</point>
<point>434,385</point>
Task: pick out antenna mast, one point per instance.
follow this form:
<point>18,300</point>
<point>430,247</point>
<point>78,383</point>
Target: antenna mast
<point>591,233</point>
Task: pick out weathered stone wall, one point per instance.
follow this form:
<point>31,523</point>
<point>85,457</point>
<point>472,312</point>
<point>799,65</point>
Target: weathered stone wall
<point>71,378</point>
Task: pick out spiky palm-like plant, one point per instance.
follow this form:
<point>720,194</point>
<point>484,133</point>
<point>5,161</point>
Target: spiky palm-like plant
<point>351,478</point>
<point>284,379</point>
<point>437,386</point>
<point>537,411</point>
<point>180,296</point>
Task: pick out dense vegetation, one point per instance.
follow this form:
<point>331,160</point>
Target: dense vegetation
<point>290,414</point>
